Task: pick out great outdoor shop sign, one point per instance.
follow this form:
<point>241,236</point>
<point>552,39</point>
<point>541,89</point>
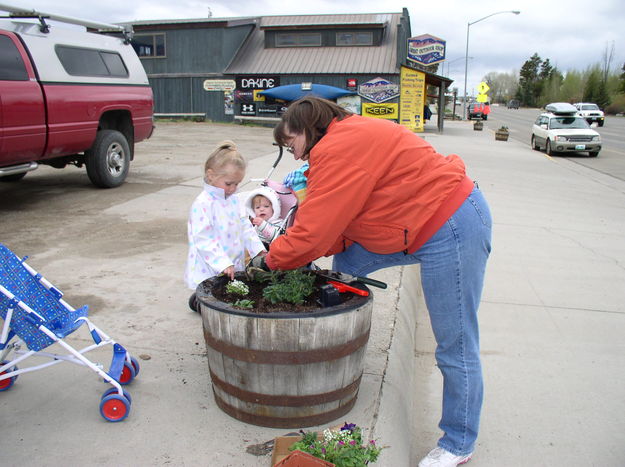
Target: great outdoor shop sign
<point>378,90</point>
<point>426,49</point>
<point>388,110</point>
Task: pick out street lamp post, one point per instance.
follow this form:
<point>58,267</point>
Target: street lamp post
<point>466,57</point>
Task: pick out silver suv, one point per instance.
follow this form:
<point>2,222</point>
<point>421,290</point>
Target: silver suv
<point>560,129</point>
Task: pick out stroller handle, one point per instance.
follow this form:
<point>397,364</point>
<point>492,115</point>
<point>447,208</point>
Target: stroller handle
<point>280,151</point>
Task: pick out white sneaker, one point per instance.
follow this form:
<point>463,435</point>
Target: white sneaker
<point>438,457</point>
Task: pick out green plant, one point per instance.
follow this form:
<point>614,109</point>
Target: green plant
<point>244,303</point>
<point>292,287</point>
<point>503,128</point>
<point>237,287</point>
<point>344,448</point>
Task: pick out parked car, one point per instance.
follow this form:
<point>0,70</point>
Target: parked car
<point>69,97</point>
<point>478,110</point>
<point>591,112</point>
<point>560,129</point>
<point>513,104</point>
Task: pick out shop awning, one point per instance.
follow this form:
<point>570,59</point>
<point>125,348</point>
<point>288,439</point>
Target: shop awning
<point>291,92</point>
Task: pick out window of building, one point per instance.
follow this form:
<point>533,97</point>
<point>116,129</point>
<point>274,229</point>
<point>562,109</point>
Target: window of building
<point>12,66</point>
<point>354,38</point>
<point>298,39</point>
<point>149,45</point>
<point>90,62</point>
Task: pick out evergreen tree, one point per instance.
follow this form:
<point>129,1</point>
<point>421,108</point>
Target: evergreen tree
<point>591,88</point>
<point>602,99</point>
<point>551,87</point>
<point>529,87</point>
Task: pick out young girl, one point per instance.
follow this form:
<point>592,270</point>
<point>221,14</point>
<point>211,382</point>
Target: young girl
<point>218,234</point>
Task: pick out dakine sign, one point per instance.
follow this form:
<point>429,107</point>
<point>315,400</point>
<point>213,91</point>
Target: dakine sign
<point>257,82</point>
<point>426,49</point>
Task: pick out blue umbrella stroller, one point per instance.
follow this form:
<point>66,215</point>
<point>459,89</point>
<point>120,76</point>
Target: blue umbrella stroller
<point>36,317</point>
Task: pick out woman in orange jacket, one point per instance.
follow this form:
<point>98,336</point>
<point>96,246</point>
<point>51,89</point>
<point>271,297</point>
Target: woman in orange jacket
<point>380,196</point>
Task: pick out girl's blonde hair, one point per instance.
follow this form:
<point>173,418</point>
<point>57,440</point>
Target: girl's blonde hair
<point>224,154</point>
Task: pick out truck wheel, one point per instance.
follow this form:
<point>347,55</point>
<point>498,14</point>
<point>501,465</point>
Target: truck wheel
<point>108,160</point>
<point>600,123</point>
<point>593,153</point>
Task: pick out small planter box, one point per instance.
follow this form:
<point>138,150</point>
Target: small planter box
<point>477,126</point>
<point>501,136</point>
<point>282,457</point>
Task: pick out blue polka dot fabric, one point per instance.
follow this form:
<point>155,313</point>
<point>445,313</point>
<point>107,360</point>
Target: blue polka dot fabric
<point>17,280</point>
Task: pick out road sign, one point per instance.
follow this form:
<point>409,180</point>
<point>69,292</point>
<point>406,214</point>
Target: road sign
<point>482,88</point>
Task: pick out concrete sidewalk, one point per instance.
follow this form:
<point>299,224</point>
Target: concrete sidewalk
<point>553,310</point>
<point>552,315</point>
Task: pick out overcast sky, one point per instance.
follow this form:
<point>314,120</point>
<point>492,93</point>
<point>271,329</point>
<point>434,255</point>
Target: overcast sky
<point>573,34</point>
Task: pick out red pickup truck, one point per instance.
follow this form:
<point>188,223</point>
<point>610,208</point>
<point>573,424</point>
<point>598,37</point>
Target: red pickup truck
<point>68,96</point>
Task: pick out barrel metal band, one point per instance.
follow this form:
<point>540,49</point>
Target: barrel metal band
<point>285,422</point>
<point>284,400</point>
<point>285,357</point>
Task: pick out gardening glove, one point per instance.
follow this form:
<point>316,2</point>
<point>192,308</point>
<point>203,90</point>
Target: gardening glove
<point>257,269</point>
<point>258,261</point>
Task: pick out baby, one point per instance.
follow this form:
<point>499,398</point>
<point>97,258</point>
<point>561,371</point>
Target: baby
<point>263,208</point>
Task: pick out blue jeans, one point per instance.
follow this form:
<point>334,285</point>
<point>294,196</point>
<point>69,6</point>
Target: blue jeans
<point>453,263</point>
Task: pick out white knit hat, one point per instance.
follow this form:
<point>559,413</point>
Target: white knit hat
<point>267,193</point>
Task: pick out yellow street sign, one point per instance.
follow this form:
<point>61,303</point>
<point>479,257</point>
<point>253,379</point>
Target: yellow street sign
<point>482,88</point>
<point>482,98</point>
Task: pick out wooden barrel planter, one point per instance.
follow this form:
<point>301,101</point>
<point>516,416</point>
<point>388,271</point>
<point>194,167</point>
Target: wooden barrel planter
<point>282,369</point>
<point>501,135</point>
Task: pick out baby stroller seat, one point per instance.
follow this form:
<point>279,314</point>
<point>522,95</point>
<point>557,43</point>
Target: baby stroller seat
<point>36,316</point>
<point>289,194</point>
<point>283,199</point>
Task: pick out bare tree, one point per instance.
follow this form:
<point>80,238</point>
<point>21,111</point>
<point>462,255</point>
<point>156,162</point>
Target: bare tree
<point>503,86</point>
<point>608,56</point>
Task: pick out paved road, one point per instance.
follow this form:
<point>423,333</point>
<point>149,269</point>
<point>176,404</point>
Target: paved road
<point>611,159</point>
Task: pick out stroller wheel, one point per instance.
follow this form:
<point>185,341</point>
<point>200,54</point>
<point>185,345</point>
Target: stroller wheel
<point>135,365</point>
<point>114,408</point>
<point>113,390</point>
<point>128,374</point>
<point>6,384</point>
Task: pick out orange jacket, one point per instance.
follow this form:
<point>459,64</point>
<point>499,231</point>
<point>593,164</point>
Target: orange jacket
<point>373,182</point>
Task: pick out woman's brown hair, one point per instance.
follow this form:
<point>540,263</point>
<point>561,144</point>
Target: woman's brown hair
<point>311,116</point>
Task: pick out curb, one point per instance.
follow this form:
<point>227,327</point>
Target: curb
<point>396,425</point>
